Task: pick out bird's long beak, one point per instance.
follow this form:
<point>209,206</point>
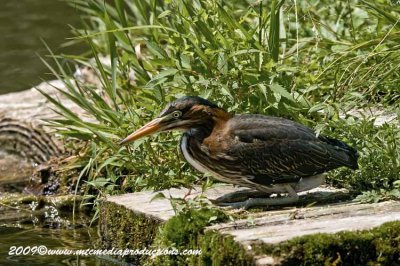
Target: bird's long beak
<point>150,128</point>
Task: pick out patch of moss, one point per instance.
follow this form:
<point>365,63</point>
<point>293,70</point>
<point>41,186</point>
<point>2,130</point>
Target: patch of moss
<point>378,246</point>
<point>123,229</point>
<point>184,227</point>
<point>220,249</point>
<point>186,231</point>
<point>22,201</point>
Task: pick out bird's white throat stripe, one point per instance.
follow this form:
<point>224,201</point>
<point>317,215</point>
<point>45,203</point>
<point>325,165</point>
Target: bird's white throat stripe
<point>184,147</point>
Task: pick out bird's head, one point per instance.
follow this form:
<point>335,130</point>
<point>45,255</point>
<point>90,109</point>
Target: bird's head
<point>184,113</point>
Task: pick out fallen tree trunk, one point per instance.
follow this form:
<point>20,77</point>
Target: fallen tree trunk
<point>25,140</point>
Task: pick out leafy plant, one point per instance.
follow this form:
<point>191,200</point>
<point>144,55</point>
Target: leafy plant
<point>380,195</point>
<point>379,149</point>
<point>306,60</point>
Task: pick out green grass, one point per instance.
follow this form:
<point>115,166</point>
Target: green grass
<point>304,60</point>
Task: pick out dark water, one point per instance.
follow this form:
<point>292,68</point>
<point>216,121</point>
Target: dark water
<point>23,23</point>
<point>35,231</point>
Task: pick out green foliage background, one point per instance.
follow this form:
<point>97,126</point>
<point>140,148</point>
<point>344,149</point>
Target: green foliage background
<point>309,61</point>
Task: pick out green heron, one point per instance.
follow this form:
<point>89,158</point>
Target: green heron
<point>267,154</point>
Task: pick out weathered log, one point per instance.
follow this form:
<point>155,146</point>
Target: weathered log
<point>252,230</point>
<point>25,140</point>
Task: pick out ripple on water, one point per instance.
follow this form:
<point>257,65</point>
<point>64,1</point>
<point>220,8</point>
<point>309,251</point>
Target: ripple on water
<point>39,230</point>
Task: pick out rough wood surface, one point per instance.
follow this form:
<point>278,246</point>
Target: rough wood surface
<point>277,226</point>
<point>273,226</point>
<point>31,106</point>
<point>25,141</point>
<point>142,202</point>
<point>146,203</point>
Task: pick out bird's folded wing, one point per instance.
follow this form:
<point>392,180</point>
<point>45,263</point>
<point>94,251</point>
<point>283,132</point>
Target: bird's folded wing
<point>279,152</point>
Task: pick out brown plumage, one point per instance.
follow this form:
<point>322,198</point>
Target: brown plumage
<point>261,152</point>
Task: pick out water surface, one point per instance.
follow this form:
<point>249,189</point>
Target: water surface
<point>23,23</point>
<point>57,232</point>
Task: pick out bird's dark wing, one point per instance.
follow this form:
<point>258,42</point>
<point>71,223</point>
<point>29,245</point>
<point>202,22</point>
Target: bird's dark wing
<point>272,150</point>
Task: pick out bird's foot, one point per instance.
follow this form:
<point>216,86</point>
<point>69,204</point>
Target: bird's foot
<point>239,196</point>
<point>259,202</point>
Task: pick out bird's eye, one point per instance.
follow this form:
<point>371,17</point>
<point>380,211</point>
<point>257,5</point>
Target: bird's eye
<point>176,114</point>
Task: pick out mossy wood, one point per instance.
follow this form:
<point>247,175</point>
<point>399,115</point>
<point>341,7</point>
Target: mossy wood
<point>133,221</point>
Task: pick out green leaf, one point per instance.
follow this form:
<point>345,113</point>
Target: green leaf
<point>164,14</point>
<point>281,91</point>
<point>99,182</point>
<point>114,57</point>
<point>165,73</point>
<point>158,196</point>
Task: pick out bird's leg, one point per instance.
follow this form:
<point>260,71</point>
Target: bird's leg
<point>251,202</point>
<point>241,195</point>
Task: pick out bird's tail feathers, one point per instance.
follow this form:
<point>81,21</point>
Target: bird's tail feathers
<point>350,151</point>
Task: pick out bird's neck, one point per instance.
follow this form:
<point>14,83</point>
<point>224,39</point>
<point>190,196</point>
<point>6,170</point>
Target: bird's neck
<point>217,120</point>
<point>202,131</point>
<point>201,144</point>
